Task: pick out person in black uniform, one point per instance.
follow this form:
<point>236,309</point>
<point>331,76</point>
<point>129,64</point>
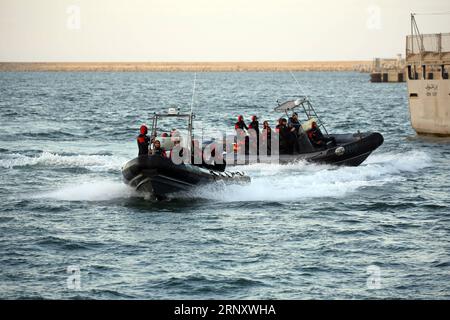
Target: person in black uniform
<point>293,121</point>
<point>286,136</point>
<point>266,135</point>
<point>255,126</point>
<point>240,124</point>
<point>158,150</point>
<point>143,141</point>
<point>283,132</point>
<point>241,130</point>
<point>317,138</point>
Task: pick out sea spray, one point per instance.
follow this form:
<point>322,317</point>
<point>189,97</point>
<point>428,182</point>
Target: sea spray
<point>302,180</point>
<point>95,190</point>
<point>92,162</point>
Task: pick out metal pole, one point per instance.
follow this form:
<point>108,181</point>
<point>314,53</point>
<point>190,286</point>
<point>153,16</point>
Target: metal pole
<point>193,91</point>
<point>412,33</point>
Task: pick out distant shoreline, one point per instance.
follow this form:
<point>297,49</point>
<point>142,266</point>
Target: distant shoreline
<point>185,66</point>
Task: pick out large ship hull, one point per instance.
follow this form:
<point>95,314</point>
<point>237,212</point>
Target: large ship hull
<point>429,106</point>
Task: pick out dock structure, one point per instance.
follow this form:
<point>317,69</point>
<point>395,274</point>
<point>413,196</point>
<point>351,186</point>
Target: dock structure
<point>388,70</point>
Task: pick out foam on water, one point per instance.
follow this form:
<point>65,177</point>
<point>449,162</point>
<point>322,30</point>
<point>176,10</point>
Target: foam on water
<point>96,190</point>
<point>302,180</point>
<point>269,182</point>
<point>91,162</point>
<point>84,189</point>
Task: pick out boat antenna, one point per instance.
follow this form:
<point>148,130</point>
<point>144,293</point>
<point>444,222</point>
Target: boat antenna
<point>415,29</point>
<point>298,84</point>
<point>309,109</point>
<point>190,129</point>
<point>193,91</point>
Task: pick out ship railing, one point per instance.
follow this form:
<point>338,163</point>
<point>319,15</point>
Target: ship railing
<point>422,44</point>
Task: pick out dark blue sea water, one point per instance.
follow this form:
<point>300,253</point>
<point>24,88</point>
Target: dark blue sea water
<point>381,230</point>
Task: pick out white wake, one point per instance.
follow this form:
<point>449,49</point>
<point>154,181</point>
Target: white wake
<point>302,180</point>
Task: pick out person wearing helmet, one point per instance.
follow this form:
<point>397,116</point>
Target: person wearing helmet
<point>255,126</point>
<point>143,140</point>
<point>283,133</point>
<point>240,124</point>
<point>241,131</point>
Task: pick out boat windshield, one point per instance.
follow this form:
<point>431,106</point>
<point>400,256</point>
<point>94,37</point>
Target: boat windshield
<point>290,105</point>
<point>171,129</point>
<point>302,104</point>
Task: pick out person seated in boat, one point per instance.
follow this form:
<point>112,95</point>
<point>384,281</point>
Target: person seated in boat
<point>158,150</point>
<point>143,140</point>
<point>293,121</point>
<point>317,138</point>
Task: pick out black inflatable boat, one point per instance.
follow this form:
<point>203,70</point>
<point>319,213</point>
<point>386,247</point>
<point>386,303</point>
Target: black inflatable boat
<point>160,177</point>
<point>345,150</point>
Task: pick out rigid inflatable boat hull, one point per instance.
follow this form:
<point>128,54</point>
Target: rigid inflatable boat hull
<point>350,150</point>
<point>160,177</point>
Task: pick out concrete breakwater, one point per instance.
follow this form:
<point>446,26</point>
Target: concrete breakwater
<point>184,66</point>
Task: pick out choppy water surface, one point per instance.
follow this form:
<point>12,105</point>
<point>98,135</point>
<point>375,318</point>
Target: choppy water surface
<point>297,231</point>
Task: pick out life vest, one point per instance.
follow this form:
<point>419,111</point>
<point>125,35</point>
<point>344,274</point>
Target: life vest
<point>240,125</point>
<point>143,142</point>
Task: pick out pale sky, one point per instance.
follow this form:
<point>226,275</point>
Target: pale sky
<point>211,30</point>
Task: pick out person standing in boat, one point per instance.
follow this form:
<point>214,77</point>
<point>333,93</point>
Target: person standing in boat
<point>241,133</point>
<point>240,124</point>
<point>283,135</point>
<point>143,140</point>
<point>295,131</point>
<point>286,136</point>
<point>293,121</point>
<point>266,136</point>
<point>255,126</point>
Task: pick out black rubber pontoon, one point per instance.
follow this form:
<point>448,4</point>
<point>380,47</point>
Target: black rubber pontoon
<point>160,177</point>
